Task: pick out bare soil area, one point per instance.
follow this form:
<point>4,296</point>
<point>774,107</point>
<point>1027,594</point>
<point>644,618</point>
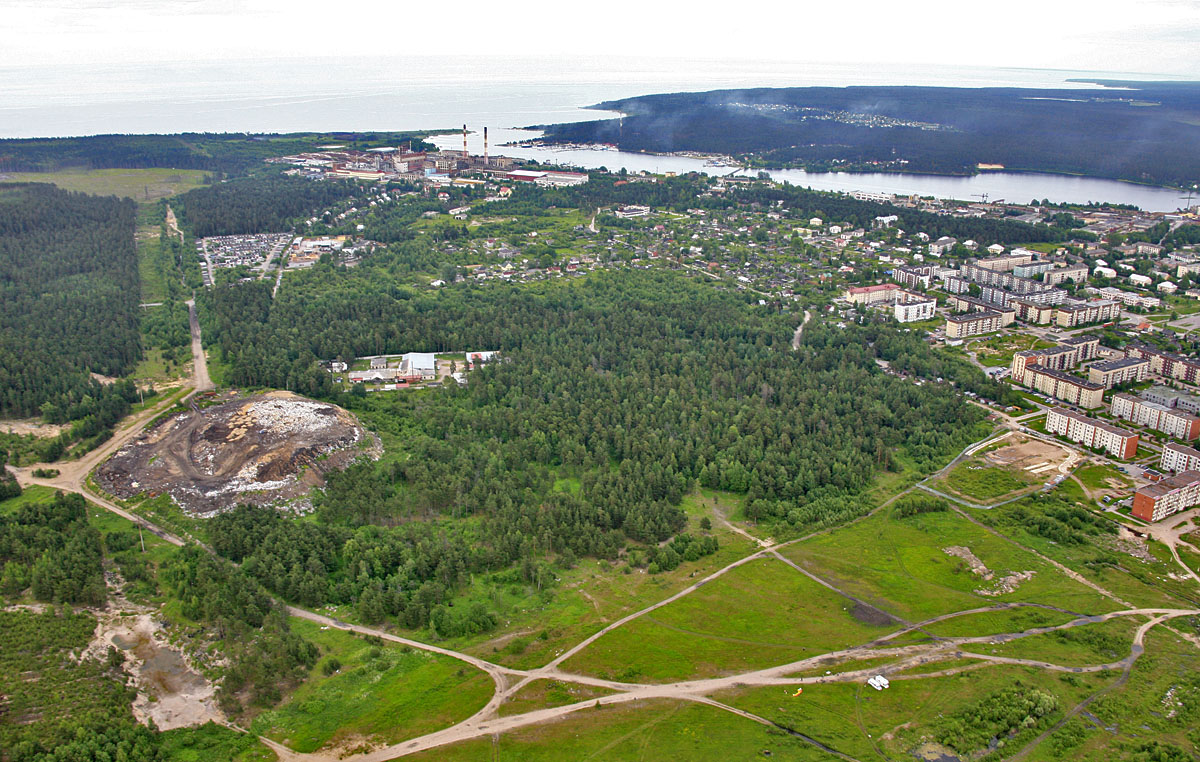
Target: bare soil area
<point>261,450</point>
<point>169,691</point>
<point>1025,453</point>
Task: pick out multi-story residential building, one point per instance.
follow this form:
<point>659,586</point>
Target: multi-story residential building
<point>1173,423</point>
<point>1166,364</point>
<point>1008,261</point>
<point>1109,373</point>
<point>908,312</point>
<point>869,295</point>
<point>1033,269</point>
<point>1077,273</point>
<point>1032,312</point>
<point>1066,355</point>
<point>1176,493</point>
<point>961,303</point>
<point>1173,398</point>
<point>942,246</point>
<point>1130,299</point>
<point>915,277</point>
<point>1065,387</point>
<point>973,324</point>
<point>1075,313</point>
<point>1010,281</point>
<point>1177,457</point>
<point>1092,433</point>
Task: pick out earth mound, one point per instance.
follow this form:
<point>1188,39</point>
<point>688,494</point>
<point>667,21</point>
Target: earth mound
<point>261,449</point>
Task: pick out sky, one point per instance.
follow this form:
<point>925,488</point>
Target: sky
<point>1149,36</point>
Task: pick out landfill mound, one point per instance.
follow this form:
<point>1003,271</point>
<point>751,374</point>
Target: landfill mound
<point>264,449</point>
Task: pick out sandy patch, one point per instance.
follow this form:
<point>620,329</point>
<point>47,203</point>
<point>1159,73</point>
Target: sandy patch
<point>33,426</point>
<point>977,567</point>
<point>169,691</point>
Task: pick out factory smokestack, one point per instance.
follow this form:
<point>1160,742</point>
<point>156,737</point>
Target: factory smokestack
<point>485,155</point>
<point>465,154</point>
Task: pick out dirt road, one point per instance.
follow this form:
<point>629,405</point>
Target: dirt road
<point>200,379</point>
<point>800,330</point>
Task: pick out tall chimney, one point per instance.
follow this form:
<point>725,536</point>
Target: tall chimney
<point>485,156</point>
<point>465,154</point>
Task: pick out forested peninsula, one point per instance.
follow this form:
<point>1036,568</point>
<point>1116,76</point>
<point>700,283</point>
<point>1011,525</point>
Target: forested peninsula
<point>1145,132</point>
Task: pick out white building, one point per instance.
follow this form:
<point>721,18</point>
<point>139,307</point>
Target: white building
<point>914,311</point>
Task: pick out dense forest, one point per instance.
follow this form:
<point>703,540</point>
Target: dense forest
<point>266,203</point>
<point>68,302</point>
<point>638,384</point>
<point>1147,133</point>
<point>223,153</point>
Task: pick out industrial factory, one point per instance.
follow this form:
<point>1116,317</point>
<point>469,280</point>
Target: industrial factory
<point>436,168</point>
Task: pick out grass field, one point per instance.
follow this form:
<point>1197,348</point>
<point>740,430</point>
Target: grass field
<point>380,692</point>
<point>758,615</point>
<point>856,720</point>
<point>29,495</point>
<point>213,742</point>
<point>541,694</point>
<point>141,185</point>
<point>1097,477</point>
<point>648,731</point>
<point>900,565</point>
<point>991,622</point>
<point>985,483</point>
<point>998,351</point>
<point>1101,643</point>
<point>540,624</point>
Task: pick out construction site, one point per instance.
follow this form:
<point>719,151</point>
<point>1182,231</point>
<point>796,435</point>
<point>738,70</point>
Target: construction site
<point>262,450</point>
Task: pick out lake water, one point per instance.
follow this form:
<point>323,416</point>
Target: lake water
<point>413,93</point>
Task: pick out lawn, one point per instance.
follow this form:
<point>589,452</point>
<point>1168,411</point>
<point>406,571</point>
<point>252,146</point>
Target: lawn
<point>142,185</point>
<point>995,622</point>
<point>1096,477</point>
<point>646,731</point>
<point>382,692</point>
<point>758,615</point>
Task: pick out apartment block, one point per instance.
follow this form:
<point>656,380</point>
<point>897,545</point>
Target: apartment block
<point>1173,423</point>
<point>1092,433</point>
<point>1176,493</point>
<point>869,295</point>
<point>1077,273</point>
<point>973,324</point>
<point>1177,457</point>
<point>915,277</point>
<point>1066,355</point>
<point>908,312</point>
<point>1075,313</point>
<point>1032,312</point>
<point>1065,387</point>
<point>1166,364</point>
<point>1109,373</point>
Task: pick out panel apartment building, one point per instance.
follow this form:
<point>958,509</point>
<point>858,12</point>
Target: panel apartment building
<point>973,324</point>
<point>1166,364</point>
<point>1092,433</point>
<point>1177,457</point>
<point>1173,423</point>
<point>1064,386</point>
<point>1069,353</point>
<point>1176,493</point>
<point>1109,373</point>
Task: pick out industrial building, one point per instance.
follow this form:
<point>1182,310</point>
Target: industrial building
<point>1177,457</point>
<point>1109,373</point>
<point>1092,433</point>
<point>1176,493</point>
<point>1172,398</point>
<point>1173,423</point>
